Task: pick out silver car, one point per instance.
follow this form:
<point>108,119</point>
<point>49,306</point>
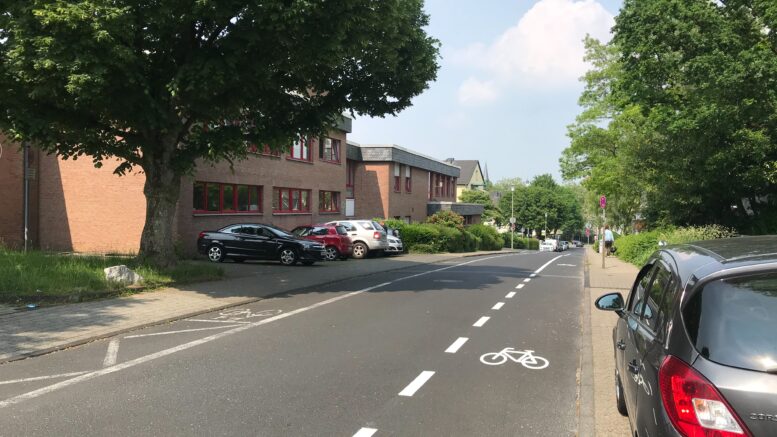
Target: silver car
<point>368,236</point>
<point>395,245</point>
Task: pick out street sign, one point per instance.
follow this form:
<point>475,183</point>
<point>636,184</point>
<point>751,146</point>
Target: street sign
<point>587,232</point>
<point>603,201</point>
<point>512,226</point>
<point>523,230</point>
<point>512,220</point>
<point>588,226</point>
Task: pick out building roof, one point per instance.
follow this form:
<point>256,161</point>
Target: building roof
<point>467,169</point>
<point>394,153</point>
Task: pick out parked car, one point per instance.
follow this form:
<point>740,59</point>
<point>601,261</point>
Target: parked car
<point>695,344</point>
<point>337,243</point>
<point>243,241</point>
<point>368,236</point>
<point>395,246</point>
<point>554,243</point>
<point>547,246</point>
<point>564,245</point>
<point>577,243</point>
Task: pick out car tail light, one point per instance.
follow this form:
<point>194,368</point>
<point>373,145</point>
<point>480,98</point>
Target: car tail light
<point>694,405</point>
<point>376,235</point>
<point>202,234</point>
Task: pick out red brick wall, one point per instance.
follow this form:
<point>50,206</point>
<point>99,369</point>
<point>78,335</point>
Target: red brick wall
<point>371,189</point>
<point>410,204</point>
<point>11,197</point>
<point>85,209</point>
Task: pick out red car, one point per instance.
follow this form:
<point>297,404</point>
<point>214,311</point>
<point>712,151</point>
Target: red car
<point>335,239</point>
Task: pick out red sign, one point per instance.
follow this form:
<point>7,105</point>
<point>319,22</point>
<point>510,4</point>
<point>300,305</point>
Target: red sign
<point>587,232</point>
<point>603,201</point>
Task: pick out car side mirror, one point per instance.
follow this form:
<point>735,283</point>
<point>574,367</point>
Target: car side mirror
<point>611,302</point>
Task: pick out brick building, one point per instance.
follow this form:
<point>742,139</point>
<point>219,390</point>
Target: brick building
<point>74,206</point>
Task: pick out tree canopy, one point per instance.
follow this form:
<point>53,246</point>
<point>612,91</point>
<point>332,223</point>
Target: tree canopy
<point>490,211</point>
<point>543,195</point>
<point>679,120</point>
<point>161,85</point>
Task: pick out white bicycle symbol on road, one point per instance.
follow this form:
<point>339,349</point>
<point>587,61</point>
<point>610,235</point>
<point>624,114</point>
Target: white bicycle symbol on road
<point>526,357</point>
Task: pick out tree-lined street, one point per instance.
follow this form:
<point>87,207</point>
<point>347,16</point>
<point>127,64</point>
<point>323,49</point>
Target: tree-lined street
<point>333,361</point>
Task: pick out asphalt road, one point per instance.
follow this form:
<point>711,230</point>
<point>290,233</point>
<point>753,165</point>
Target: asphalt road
<point>400,353</point>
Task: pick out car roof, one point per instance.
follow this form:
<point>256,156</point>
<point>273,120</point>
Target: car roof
<point>702,258</point>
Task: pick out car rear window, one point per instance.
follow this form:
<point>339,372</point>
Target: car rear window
<point>366,225</point>
<point>341,230</point>
<point>733,322</point>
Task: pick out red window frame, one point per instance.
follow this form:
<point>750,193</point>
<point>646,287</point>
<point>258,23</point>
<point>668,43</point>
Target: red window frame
<point>255,192</point>
<point>305,146</point>
<point>335,150</point>
<point>334,201</point>
<point>292,195</point>
<point>350,178</point>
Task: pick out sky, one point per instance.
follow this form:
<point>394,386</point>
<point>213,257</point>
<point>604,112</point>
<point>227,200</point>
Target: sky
<point>507,87</point>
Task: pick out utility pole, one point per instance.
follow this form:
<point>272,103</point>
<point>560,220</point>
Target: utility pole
<point>26,200</point>
<point>512,217</point>
<point>546,224</point>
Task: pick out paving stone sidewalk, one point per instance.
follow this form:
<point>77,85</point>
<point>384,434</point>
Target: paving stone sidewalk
<point>33,332</point>
<point>616,276</point>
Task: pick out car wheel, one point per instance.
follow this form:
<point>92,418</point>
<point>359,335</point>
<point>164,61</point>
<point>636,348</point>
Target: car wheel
<point>620,401</point>
<point>215,253</point>
<point>288,256</point>
<point>331,253</point>
<point>360,250</point>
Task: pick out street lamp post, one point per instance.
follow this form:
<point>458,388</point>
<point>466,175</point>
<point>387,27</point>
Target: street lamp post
<point>546,224</point>
<point>512,214</point>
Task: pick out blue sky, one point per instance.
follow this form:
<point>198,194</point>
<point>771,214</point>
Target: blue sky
<point>507,87</point>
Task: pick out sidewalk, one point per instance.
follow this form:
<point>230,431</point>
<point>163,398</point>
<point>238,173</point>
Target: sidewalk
<point>35,332</point>
<point>616,276</point>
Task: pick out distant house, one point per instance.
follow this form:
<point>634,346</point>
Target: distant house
<point>471,177</point>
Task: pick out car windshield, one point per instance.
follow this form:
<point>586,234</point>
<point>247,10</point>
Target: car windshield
<point>377,226</point>
<point>341,230</point>
<point>300,231</point>
<point>732,322</point>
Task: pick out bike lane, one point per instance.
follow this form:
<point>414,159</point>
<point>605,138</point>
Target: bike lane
<point>327,372</point>
<point>467,397</point>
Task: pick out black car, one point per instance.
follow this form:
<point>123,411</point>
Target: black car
<point>240,242</point>
<point>696,342</point>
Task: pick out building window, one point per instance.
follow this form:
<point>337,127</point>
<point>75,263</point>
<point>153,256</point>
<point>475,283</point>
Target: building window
<point>300,150</point>
<point>328,201</point>
<point>213,197</point>
<point>408,180</point>
<point>350,178</point>
<point>397,177</point>
<point>329,150</point>
<point>290,200</point>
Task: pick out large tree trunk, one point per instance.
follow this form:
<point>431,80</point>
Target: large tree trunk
<point>162,189</point>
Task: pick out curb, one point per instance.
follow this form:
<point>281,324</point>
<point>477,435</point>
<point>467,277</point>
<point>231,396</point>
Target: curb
<point>30,354</point>
<point>586,421</point>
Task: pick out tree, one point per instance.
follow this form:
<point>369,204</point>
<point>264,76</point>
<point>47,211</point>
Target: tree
<point>164,85</point>
<point>544,196</point>
<point>490,211</point>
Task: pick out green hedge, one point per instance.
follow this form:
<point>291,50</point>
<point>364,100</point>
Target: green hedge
<point>489,237</point>
<point>519,242</point>
<point>637,248</point>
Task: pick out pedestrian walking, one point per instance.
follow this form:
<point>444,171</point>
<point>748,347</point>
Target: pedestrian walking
<point>609,238</point>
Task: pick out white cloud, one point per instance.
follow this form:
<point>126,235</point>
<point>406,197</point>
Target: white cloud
<point>545,48</point>
<point>474,91</point>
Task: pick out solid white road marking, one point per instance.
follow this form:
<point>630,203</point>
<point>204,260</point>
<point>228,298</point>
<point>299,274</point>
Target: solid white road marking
<point>454,347</point>
<point>567,265</point>
<point>113,351</point>
<point>532,275</point>
<point>547,264</point>
<point>481,321</point>
<point>519,286</point>
<point>498,306</point>
<point>39,378</point>
<point>417,383</point>
<point>181,331</point>
<point>527,280</point>
<point>215,321</point>
<point>510,295</point>
<point>147,358</point>
<point>365,432</point>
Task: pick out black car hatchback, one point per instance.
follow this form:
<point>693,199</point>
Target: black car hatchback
<point>696,342</point>
<point>243,241</point>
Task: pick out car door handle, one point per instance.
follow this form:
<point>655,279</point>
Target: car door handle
<point>621,345</point>
<point>634,367</point>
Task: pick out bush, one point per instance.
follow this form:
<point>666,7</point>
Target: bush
<point>489,237</point>
<point>415,234</point>
<point>392,223</point>
<point>446,218</point>
<point>637,248</point>
<point>520,242</point>
<point>423,248</point>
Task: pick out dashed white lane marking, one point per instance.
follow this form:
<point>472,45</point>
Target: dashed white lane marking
<point>498,306</point>
<point>481,321</point>
<point>567,265</point>
<point>417,383</point>
<point>510,295</point>
<point>113,351</point>
<point>144,359</point>
<point>532,275</point>
<point>181,331</point>
<point>365,432</point>
<point>527,280</point>
<point>40,378</point>
<point>215,321</point>
<point>456,345</point>
<point>547,264</point>
<point>519,286</point>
